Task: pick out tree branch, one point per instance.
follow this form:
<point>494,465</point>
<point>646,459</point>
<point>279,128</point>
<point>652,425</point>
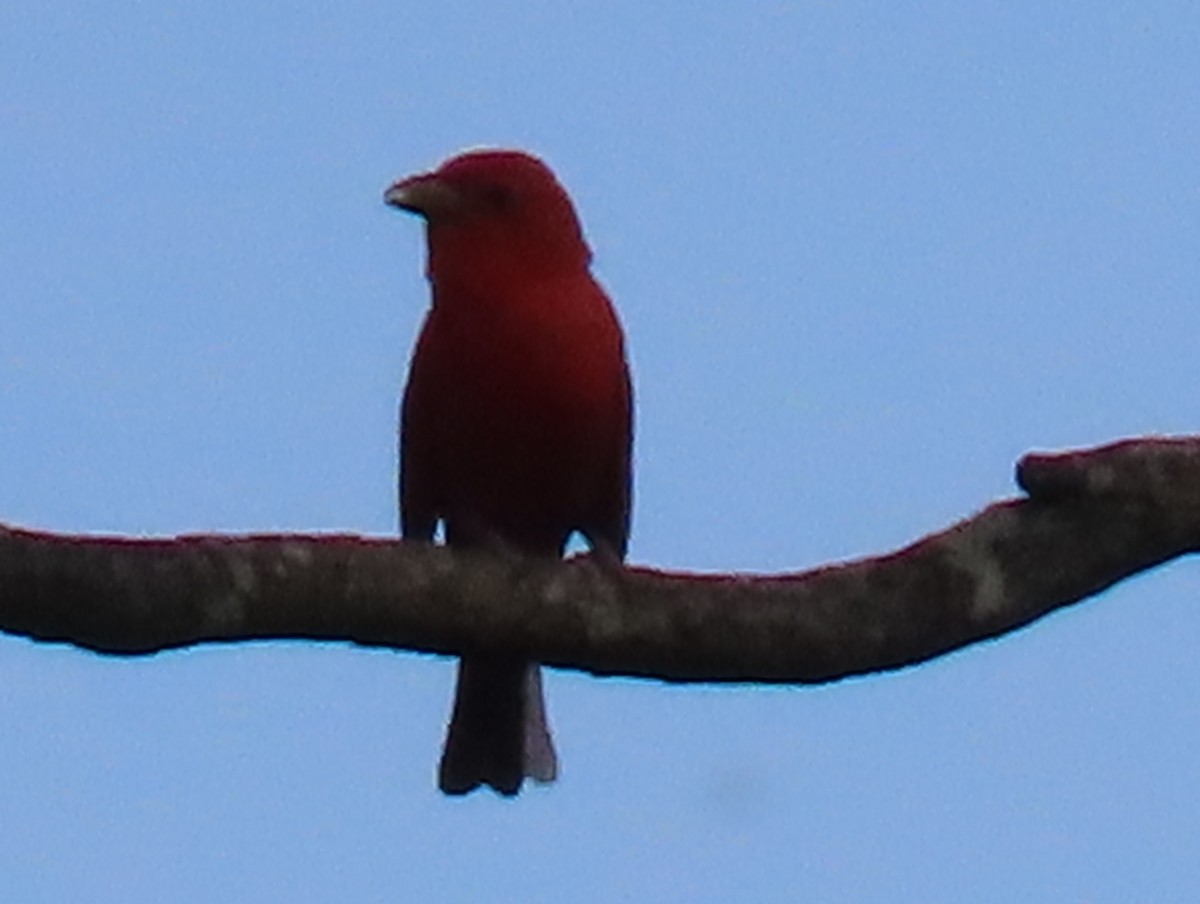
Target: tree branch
<point>1091,518</point>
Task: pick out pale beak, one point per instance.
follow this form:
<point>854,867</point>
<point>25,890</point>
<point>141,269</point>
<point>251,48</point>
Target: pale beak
<point>425,195</point>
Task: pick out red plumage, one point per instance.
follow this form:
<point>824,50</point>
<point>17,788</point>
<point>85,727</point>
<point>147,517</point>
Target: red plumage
<point>516,426</point>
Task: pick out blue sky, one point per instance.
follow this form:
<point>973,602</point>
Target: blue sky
<point>866,256</point>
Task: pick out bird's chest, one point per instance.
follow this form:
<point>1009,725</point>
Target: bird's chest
<point>523,389</point>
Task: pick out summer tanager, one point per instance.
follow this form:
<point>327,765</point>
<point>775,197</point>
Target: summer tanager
<point>516,425</point>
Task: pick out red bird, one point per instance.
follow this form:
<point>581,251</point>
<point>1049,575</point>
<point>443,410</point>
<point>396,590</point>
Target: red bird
<point>516,426</point>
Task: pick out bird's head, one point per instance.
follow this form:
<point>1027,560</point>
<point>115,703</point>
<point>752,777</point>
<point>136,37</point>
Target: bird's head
<point>494,215</point>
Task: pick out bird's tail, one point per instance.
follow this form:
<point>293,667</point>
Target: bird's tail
<point>498,733</point>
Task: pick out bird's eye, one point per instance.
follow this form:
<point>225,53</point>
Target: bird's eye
<point>499,197</point>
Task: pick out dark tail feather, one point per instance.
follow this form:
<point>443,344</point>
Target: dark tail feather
<point>498,733</point>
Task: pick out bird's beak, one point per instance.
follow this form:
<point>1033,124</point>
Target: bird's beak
<point>425,195</point>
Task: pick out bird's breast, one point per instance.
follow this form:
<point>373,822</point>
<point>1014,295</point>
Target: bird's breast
<point>528,401</point>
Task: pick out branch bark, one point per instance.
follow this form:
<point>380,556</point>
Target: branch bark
<point>1090,519</point>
